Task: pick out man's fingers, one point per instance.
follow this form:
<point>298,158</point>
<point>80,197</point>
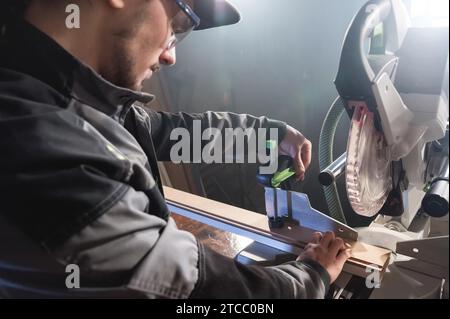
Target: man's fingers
<point>306,154</point>
<point>327,239</point>
<point>303,159</point>
<point>343,256</point>
<point>299,167</point>
<point>298,148</point>
<point>336,245</point>
<point>316,237</point>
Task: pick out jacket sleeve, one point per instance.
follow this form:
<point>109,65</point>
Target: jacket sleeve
<point>152,258</point>
<point>163,124</point>
<point>222,277</point>
<point>86,203</point>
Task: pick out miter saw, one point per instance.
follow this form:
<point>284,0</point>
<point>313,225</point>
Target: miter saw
<point>391,82</point>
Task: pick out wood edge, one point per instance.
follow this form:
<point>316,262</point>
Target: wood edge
<point>174,196</point>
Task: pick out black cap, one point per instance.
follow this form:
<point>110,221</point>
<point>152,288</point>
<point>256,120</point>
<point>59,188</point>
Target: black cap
<point>215,13</point>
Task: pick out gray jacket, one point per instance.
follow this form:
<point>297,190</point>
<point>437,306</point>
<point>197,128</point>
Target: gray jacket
<point>79,184</point>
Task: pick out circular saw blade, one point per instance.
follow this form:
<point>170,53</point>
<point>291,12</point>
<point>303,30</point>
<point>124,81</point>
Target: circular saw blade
<point>368,167</point>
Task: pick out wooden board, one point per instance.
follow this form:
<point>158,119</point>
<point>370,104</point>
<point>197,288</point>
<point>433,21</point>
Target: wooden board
<point>364,257</point>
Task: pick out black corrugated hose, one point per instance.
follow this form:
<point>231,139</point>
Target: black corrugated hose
<point>326,141</point>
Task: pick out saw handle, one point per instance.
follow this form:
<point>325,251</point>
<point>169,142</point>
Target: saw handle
<point>355,75</point>
<point>330,174</point>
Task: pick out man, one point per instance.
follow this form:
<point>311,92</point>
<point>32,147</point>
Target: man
<point>79,181</point>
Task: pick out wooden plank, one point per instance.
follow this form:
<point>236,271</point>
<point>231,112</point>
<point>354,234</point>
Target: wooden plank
<point>364,257</point>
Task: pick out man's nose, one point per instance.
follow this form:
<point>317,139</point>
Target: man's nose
<point>168,57</point>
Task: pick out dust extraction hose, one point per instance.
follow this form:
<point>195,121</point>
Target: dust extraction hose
<point>326,141</point>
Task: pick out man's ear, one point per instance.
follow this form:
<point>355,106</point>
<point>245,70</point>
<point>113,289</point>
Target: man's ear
<point>117,4</point>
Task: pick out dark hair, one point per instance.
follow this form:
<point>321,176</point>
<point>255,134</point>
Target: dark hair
<point>11,10</point>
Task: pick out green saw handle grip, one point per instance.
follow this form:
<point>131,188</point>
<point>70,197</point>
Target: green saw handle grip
<point>280,177</point>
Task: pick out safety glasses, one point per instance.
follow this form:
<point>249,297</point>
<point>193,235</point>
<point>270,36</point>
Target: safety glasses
<point>183,23</point>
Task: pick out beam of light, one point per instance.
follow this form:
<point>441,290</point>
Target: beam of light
<point>432,12</point>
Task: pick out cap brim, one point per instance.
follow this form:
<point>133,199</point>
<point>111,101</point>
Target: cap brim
<point>215,13</point>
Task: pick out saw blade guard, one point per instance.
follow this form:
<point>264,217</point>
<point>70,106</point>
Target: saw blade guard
<point>368,167</point>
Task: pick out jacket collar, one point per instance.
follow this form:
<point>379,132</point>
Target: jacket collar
<point>33,52</point>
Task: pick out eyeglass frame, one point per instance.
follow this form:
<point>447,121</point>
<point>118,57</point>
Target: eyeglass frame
<point>193,17</point>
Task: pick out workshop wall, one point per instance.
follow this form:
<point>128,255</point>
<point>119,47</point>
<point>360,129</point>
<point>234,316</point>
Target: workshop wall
<point>280,61</point>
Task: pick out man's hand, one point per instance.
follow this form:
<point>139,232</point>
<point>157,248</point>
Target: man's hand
<point>299,148</point>
<point>328,251</point>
